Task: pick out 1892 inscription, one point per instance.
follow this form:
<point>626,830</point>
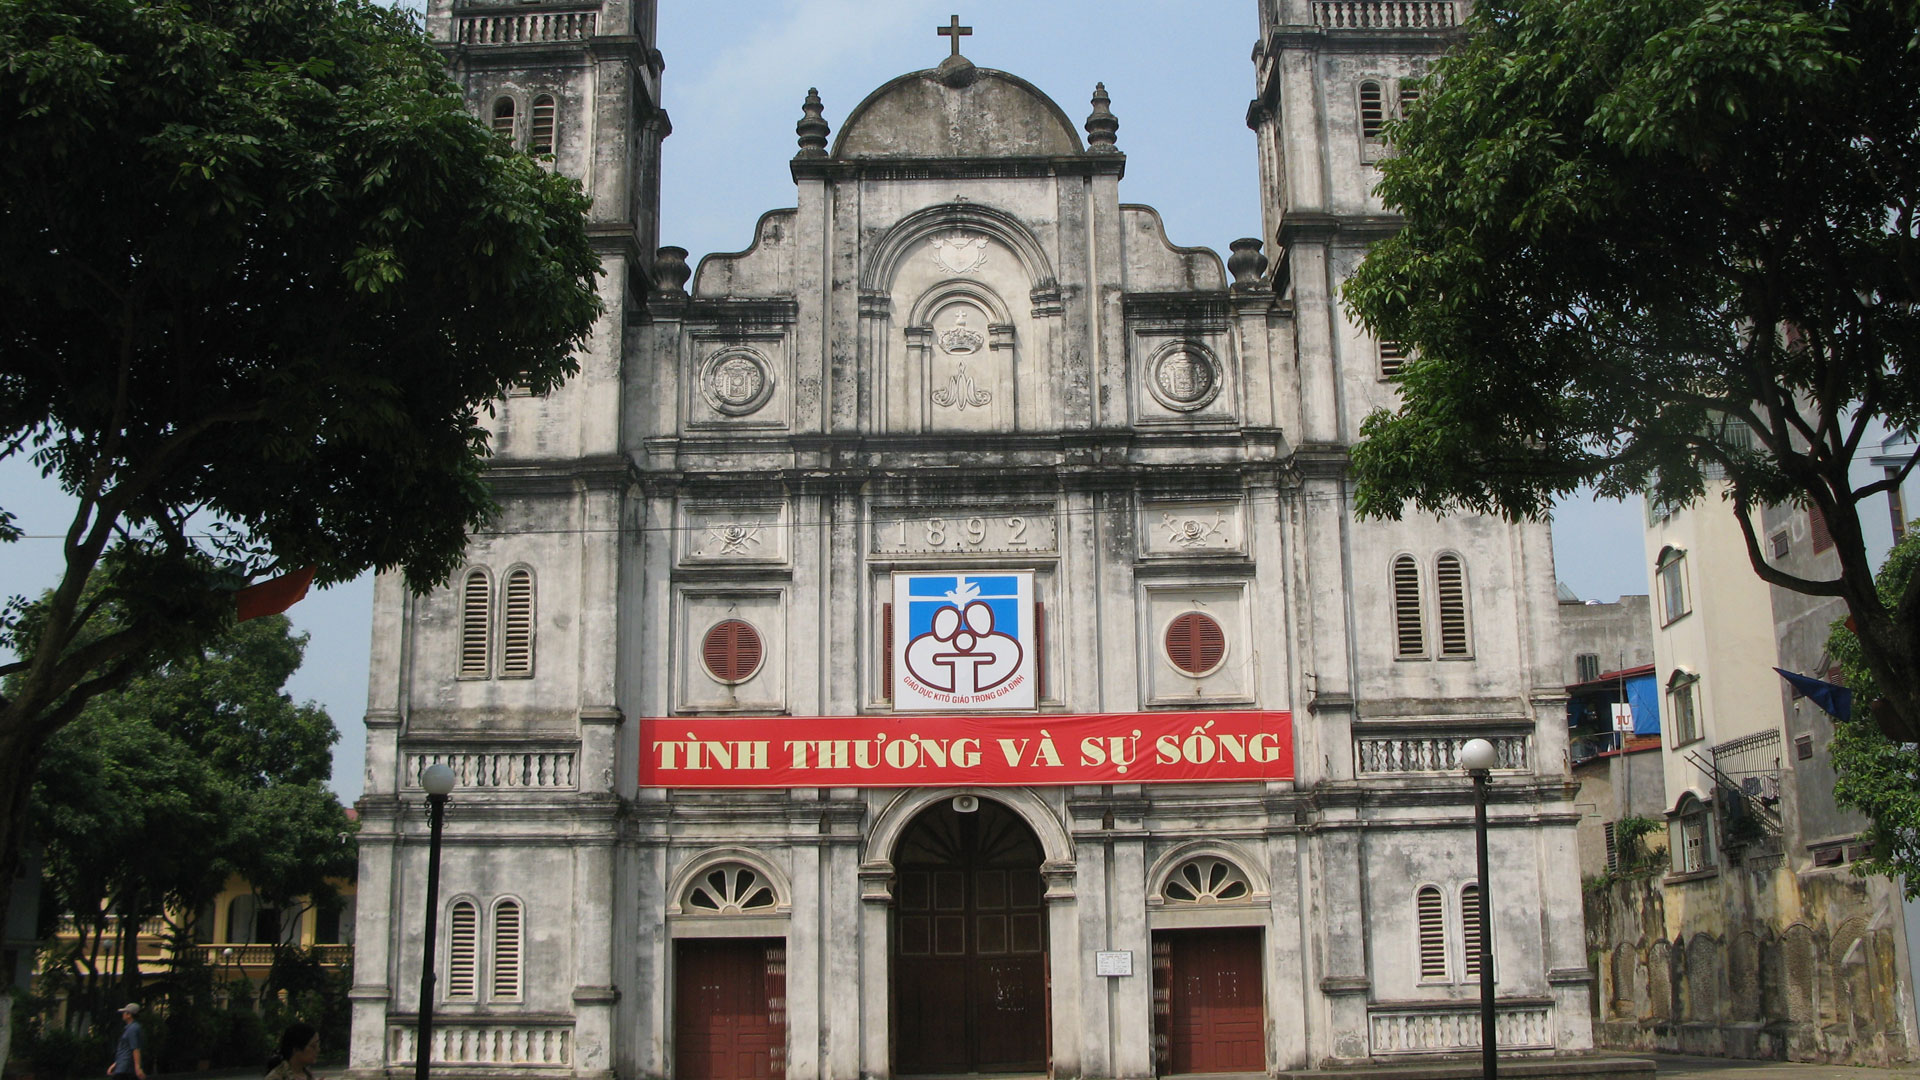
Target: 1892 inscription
<point>963,532</point>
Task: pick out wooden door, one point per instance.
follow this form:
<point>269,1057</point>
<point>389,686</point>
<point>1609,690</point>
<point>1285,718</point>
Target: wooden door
<point>969,945</point>
<point>1209,1011</point>
<point>730,1009</point>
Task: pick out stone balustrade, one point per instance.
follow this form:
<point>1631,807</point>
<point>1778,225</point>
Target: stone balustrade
<point>1428,1029</point>
<point>467,1042</point>
<point>551,769</point>
<point>1384,14</point>
<point>524,29</point>
<point>1429,753</point>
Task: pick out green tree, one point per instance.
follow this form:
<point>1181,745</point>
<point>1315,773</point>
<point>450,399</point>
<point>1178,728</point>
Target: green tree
<point>262,272</point>
<point>160,790</point>
<point>1878,776</point>
<point>1649,244</point>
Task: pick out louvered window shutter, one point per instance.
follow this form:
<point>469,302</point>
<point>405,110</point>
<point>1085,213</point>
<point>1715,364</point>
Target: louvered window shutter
<point>1410,637</point>
<point>1433,934</point>
<point>1470,929</point>
<point>540,138</point>
<point>1195,643</point>
<point>886,652</point>
<point>1393,358</point>
<point>1372,110</point>
<point>462,955</point>
<point>503,117</point>
<point>1409,96</point>
<point>732,651</point>
<point>506,951</point>
<point>1450,579</point>
<point>516,641</point>
<point>476,623</point>
<point>1817,526</point>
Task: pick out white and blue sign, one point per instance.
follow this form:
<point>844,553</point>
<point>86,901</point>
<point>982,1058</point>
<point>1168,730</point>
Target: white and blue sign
<point>963,641</point>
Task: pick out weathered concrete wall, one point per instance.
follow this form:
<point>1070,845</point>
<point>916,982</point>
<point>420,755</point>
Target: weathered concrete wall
<point>1753,962</point>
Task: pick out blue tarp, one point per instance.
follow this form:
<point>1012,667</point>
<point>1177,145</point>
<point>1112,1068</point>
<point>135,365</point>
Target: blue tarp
<point>1643,693</point>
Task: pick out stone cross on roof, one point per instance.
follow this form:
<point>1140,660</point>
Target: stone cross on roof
<point>954,30</point>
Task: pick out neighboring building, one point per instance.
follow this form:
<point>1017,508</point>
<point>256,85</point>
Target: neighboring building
<point>1759,941</point>
<point>1609,662</point>
<point>937,638</point>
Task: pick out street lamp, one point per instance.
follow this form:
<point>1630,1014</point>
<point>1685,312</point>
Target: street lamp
<point>227,967</point>
<point>1478,758</point>
<point>438,781</point>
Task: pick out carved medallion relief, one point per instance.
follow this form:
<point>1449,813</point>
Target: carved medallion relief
<point>736,380</point>
<point>1183,377</point>
<point>959,252</point>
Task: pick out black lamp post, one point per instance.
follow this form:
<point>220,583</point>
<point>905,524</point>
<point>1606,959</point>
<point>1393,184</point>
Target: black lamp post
<point>438,782</point>
<point>1478,758</point>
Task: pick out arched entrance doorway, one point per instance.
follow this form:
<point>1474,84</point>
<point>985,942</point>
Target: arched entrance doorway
<point>969,944</point>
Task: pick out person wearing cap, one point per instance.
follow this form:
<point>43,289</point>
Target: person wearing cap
<point>133,1046</point>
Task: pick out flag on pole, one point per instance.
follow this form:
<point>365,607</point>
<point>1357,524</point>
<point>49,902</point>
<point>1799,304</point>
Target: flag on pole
<point>1836,700</point>
<point>273,596</point>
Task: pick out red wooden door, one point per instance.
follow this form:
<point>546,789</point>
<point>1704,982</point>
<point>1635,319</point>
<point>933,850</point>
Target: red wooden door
<point>730,1009</point>
<point>1208,1003</point>
<point>969,945</point>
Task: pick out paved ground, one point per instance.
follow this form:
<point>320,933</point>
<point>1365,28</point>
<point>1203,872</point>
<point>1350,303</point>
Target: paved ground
<point>1675,1067</point>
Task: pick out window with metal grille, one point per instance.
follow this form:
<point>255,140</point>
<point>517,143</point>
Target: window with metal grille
<point>1680,705</point>
<point>1470,930</point>
<point>1195,643</point>
<point>1410,635</point>
<point>1429,913</point>
<point>476,625</point>
<point>540,135</point>
<point>732,651</point>
<point>1587,667</point>
<point>463,927</point>
<point>1393,358</point>
<point>516,639</point>
<point>1781,544</point>
<point>1373,114</point>
<point>503,117</point>
<point>1817,525</point>
<point>1803,748</point>
<point>1450,581</point>
<point>506,951</point>
<point>1671,569</point>
<point>1613,848</point>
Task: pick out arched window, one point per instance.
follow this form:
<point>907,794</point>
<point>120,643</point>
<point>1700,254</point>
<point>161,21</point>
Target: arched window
<point>1682,706</point>
<point>540,134</point>
<point>503,117</point>
<point>1470,929</point>
<point>240,919</point>
<point>1671,571</point>
<point>1373,114</point>
<point>1410,635</point>
<point>506,951</point>
<point>1430,919</point>
<point>476,624</point>
<point>516,639</point>
<point>463,928</point>
<point>1450,582</point>
<point>729,889</point>
<point>1206,880</point>
<point>1195,643</point>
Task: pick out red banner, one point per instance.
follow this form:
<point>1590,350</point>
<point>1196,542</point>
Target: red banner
<point>981,751</point>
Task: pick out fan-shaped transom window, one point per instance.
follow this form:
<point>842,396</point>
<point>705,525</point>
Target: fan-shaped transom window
<point>1195,643</point>
<point>732,651</point>
<point>730,889</point>
<point>1206,880</point>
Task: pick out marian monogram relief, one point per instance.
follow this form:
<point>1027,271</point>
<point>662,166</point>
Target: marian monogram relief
<point>959,252</point>
<point>957,335</point>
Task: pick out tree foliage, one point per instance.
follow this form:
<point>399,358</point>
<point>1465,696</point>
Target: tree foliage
<point>1877,775</point>
<point>1651,244</point>
<point>161,790</point>
<point>262,273</point>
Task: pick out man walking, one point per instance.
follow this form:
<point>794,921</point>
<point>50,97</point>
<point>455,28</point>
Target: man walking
<point>128,1057</point>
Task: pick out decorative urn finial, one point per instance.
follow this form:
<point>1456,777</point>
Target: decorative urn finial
<point>1101,124</point>
<point>811,128</point>
<point>670,271</point>
<point>1246,263</point>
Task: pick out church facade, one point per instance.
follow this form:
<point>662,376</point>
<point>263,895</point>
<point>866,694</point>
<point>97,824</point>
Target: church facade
<point>937,639</point>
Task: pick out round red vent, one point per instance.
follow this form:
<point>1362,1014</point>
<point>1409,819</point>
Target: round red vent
<point>1195,643</point>
<point>732,651</point>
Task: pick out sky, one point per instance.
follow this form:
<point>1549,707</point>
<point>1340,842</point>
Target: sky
<point>736,73</point>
